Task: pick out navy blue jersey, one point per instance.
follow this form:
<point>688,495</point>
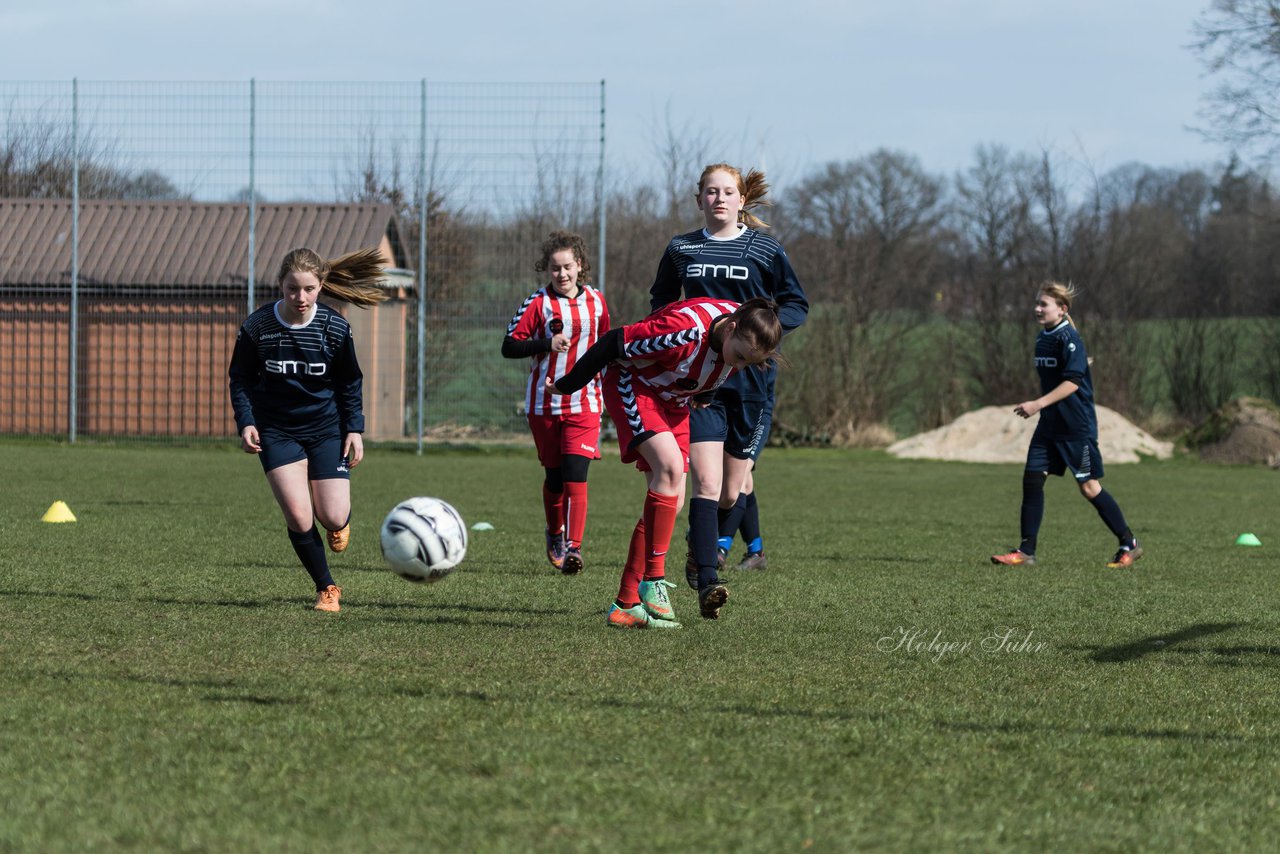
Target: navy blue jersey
<point>752,264</point>
<point>304,380</point>
<point>1060,357</point>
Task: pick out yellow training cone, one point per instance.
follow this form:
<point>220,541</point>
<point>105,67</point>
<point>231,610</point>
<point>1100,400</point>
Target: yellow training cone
<point>58,512</point>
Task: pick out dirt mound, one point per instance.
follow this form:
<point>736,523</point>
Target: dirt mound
<point>1245,431</point>
<point>995,435</point>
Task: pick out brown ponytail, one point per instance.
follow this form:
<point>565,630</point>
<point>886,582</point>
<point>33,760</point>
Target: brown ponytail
<point>752,188</point>
<point>351,278</point>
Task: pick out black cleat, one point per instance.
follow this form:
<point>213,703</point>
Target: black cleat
<point>710,600</point>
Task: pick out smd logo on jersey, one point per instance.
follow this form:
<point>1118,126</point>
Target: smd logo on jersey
<point>289,367</point>
<point>729,271</point>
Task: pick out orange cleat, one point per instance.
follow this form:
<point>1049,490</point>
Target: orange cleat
<point>327,599</point>
<point>1014,558</point>
<point>339,540</point>
<point>1126,557</point>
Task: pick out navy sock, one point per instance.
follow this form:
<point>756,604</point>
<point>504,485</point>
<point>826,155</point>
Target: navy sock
<point>310,550</point>
<point>1032,510</point>
<point>751,524</point>
<point>1109,510</point>
<point>702,537</point>
<point>731,520</point>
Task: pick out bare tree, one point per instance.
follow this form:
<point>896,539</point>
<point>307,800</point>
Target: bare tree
<point>682,153</point>
<point>995,273</point>
<point>39,159</point>
<point>863,232</point>
<point>1239,43</point>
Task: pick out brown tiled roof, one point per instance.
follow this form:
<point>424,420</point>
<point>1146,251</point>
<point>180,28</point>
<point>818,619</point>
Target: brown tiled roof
<point>158,243</point>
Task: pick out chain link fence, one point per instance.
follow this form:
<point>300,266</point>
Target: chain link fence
<point>140,223</point>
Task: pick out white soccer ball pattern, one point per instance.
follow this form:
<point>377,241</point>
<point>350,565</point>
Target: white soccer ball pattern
<point>423,539</point>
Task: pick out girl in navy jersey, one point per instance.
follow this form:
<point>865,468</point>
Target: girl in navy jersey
<point>296,392</point>
<point>654,368</point>
<point>554,326</point>
<point>729,258</point>
<point>1066,437</point>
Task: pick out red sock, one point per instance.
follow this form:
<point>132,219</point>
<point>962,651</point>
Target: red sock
<point>575,512</point>
<point>633,569</point>
<point>553,506</point>
<point>659,522</point>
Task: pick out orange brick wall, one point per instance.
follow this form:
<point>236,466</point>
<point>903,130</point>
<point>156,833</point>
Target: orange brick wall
<point>160,368</point>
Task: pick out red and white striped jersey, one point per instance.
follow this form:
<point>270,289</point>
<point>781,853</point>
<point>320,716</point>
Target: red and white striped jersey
<point>583,318</point>
<point>670,350</point>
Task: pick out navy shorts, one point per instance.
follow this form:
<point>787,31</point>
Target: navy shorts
<point>322,453</point>
<point>742,424</point>
<point>1055,456</point>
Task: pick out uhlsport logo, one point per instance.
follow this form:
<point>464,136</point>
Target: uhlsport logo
<point>1046,361</point>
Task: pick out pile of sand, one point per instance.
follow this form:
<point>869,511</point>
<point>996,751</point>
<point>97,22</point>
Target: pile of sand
<point>995,435</point>
<point>1245,431</point>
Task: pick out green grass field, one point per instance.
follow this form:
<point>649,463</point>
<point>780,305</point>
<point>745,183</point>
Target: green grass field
<point>165,685</point>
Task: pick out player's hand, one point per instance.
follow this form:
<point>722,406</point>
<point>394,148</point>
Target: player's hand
<point>353,449</point>
<point>549,385</point>
<point>559,343</point>
<point>250,443</point>
<point>1027,408</point>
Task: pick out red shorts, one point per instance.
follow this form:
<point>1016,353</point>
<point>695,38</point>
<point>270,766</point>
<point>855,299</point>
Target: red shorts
<point>557,436</point>
<point>639,413</point>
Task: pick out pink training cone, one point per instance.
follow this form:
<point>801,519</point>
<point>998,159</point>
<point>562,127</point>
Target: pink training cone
<point>58,512</point>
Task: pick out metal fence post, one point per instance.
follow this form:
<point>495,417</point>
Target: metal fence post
<point>253,202</point>
<point>422,260</point>
<point>74,320</point>
<point>602,241</point>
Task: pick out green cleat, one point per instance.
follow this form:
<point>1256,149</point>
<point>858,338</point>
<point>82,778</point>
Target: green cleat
<point>635,617</point>
<point>654,599</point>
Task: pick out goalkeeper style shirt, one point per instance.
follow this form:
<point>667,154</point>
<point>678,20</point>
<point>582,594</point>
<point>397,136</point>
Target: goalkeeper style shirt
<point>1060,356</point>
<point>752,264</point>
<point>301,379</point>
<point>582,318</point>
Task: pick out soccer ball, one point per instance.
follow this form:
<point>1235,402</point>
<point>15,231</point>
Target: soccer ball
<point>423,539</point>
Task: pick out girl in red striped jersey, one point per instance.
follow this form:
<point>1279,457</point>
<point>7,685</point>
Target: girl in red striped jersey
<point>655,368</point>
<point>554,326</point>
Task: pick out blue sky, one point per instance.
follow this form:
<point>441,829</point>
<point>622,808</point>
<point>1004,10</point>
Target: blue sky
<point>785,85</point>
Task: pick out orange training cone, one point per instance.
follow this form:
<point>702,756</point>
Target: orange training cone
<point>58,512</point>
